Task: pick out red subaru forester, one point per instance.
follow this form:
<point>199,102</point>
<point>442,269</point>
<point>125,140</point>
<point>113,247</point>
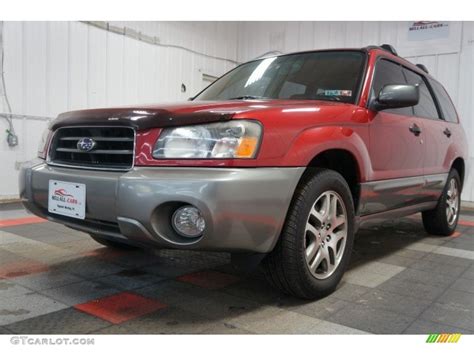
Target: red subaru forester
<point>279,160</point>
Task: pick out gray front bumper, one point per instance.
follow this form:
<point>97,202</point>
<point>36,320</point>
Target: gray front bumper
<point>244,208</point>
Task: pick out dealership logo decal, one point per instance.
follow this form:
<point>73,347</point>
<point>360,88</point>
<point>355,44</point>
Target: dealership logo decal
<point>62,192</point>
<point>86,144</point>
<point>61,195</point>
<point>443,338</point>
<point>428,30</point>
<point>426,25</point>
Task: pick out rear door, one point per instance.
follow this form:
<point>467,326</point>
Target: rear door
<point>446,128</point>
<point>436,129</point>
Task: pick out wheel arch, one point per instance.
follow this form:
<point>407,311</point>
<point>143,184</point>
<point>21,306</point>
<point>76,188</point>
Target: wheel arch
<point>316,141</point>
<point>460,167</point>
<point>342,161</point>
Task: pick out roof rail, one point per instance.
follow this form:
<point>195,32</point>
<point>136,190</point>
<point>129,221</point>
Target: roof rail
<point>422,67</point>
<point>389,48</point>
<point>386,47</point>
<point>268,54</point>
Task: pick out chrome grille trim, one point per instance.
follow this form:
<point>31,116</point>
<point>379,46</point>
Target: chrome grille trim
<point>106,164</point>
<point>104,139</point>
<point>96,151</point>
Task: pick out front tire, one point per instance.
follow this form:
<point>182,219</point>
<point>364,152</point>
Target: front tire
<point>315,245</point>
<point>443,220</point>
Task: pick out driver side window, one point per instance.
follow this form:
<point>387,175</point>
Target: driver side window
<point>389,73</point>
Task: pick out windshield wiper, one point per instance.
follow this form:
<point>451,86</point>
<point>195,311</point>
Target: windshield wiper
<point>247,97</point>
<point>328,98</point>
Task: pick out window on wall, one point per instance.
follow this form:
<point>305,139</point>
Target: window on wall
<point>389,73</point>
<point>426,106</point>
<point>447,107</point>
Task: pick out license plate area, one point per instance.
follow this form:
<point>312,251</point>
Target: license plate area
<point>67,199</point>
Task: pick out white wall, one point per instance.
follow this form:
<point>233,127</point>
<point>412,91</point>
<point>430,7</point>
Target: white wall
<point>451,63</point>
<point>52,67</point>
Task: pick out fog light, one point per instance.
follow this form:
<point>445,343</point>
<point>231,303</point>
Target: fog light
<point>188,222</point>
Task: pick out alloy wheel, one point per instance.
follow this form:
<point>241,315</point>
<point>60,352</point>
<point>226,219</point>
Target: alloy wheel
<point>452,201</point>
<point>326,234</point>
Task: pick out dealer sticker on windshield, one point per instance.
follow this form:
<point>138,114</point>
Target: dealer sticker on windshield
<point>337,92</point>
<point>67,199</point>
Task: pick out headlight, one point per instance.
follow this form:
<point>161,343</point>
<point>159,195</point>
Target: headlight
<point>223,140</point>
<point>43,144</point>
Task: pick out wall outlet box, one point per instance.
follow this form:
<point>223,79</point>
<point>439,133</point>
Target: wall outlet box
<point>12,139</point>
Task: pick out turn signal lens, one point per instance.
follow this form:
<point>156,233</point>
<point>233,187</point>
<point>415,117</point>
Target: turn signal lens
<point>247,147</point>
<point>43,143</point>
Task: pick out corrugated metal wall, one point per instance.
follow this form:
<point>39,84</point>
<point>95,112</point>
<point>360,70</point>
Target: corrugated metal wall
<point>453,66</point>
<point>52,67</point>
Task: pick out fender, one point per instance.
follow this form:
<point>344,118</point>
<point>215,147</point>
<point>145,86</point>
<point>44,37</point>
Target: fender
<point>457,149</point>
<point>453,153</point>
<point>314,141</point>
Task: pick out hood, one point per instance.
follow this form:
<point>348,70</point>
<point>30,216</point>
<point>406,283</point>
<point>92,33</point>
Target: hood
<point>178,114</point>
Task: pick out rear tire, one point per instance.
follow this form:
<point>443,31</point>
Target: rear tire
<point>315,245</point>
<point>111,244</point>
<point>443,219</point>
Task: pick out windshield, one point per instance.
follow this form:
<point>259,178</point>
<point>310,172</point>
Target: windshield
<point>325,75</point>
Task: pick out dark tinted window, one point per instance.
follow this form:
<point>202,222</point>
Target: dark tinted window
<point>426,107</point>
<point>333,76</point>
<point>389,73</point>
<point>447,107</point>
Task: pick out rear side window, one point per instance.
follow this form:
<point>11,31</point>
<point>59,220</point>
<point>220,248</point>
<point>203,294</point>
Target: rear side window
<point>389,73</point>
<point>426,107</point>
<point>447,107</point>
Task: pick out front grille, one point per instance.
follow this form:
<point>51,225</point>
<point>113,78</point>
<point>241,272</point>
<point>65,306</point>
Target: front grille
<point>113,148</point>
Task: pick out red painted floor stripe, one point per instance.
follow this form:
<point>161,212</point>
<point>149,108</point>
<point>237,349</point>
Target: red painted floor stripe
<point>22,268</point>
<point>455,235</point>
<point>466,223</point>
<point>120,307</point>
<point>105,253</point>
<point>20,221</point>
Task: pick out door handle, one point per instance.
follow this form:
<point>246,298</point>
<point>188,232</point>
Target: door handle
<point>447,132</point>
<point>415,129</point>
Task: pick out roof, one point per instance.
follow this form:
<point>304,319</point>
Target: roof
<point>387,49</point>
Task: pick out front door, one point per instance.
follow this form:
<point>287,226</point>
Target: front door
<point>397,148</point>
<point>396,135</point>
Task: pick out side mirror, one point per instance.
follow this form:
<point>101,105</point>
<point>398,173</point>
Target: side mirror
<point>396,96</point>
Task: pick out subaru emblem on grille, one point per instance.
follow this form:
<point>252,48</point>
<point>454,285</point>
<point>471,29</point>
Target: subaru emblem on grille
<point>86,144</point>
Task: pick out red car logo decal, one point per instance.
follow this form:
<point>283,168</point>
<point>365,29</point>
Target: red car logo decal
<point>62,192</point>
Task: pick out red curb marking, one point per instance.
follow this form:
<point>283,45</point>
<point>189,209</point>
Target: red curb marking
<point>466,223</point>
<point>20,221</point>
<point>456,235</point>
<point>120,307</point>
<point>22,268</point>
<point>209,279</point>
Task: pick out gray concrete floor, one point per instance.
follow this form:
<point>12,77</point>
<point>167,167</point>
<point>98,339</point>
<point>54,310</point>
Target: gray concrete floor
<point>401,280</point>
